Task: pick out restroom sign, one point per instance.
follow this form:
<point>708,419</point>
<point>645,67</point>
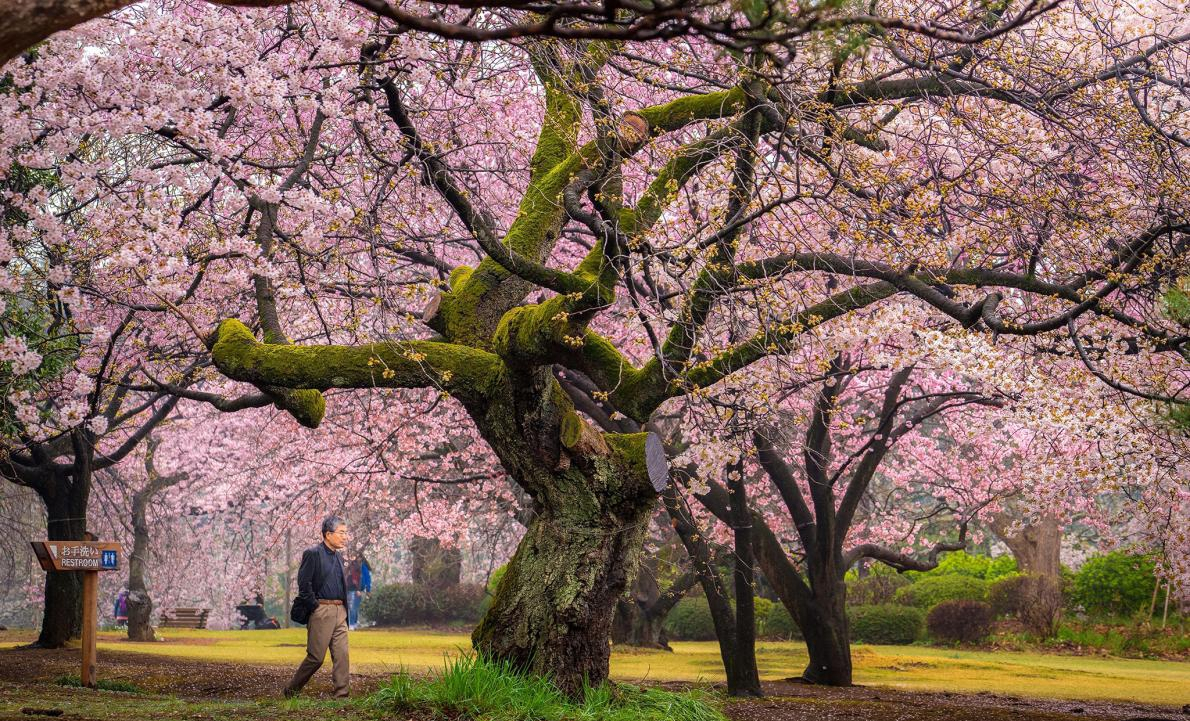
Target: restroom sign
<point>90,557</point>
<point>77,555</point>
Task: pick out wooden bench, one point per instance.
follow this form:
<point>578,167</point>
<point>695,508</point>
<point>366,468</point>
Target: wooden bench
<point>184,618</point>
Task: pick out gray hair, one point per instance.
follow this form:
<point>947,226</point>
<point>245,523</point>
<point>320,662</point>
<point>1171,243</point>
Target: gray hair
<point>330,524</point>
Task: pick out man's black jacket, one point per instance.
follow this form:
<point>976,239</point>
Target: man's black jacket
<point>320,577</point>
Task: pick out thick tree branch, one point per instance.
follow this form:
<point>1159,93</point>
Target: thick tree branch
<point>462,371</point>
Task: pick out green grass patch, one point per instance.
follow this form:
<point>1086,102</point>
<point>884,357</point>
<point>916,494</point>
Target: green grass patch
<point>103,684</point>
<point>1025,672</point>
<point>474,688</point>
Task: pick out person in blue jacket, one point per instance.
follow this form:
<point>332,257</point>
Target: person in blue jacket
<point>359,582</point>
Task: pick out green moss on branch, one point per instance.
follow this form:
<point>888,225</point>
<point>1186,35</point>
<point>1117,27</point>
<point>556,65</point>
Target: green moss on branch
<point>459,370</point>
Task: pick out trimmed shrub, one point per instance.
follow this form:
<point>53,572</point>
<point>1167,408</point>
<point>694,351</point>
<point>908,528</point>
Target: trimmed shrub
<point>494,579</point>
<point>764,607</point>
<point>887,624</point>
<point>461,602</point>
<point>395,604</point>
<point>932,590</point>
<point>779,626</point>
<point>401,604</point>
<point>690,620</point>
<point>960,620</point>
<point>875,589</point>
<point>1005,596</point>
<point>970,564</point>
<point>1115,584</point>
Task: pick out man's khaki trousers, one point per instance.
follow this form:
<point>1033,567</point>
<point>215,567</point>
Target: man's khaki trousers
<point>327,628</point>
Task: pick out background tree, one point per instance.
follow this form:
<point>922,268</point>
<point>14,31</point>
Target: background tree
<point>660,231</point>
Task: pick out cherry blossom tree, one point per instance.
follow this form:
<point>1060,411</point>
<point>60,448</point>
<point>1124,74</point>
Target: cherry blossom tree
<point>661,220</point>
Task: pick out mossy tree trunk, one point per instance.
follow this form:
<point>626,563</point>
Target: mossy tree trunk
<point>552,611</point>
<point>494,353</point>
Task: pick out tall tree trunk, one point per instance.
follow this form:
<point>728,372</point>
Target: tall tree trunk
<point>640,615</point>
<point>819,608</point>
<point>66,520</point>
<point>140,604</point>
<point>433,565</point>
<point>747,676</point>
<point>822,618</point>
<point>1037,548</point>
<point>739,681</point>
<point>552,611</point>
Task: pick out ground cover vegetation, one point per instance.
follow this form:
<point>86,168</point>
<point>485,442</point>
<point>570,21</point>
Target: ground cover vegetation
<point>200,664</point>
<point>809,290</point>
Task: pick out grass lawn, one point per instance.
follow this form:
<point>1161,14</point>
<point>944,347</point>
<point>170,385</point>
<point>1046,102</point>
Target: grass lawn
<point>916,668</point>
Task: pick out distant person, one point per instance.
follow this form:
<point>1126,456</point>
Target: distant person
<point>322,588</point>
<point>252,612</point>
<point>359,582</point>
<point>121,609</point>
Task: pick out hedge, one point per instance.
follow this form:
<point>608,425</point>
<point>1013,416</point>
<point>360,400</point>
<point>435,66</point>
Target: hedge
<point>401,604</point>
<point>690,620</point>
<point>960,620</point>
<point>887,624</point>
<point>875,589</point>
<point>932,590</point>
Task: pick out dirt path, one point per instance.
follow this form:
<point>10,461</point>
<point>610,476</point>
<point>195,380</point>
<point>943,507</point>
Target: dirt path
<point>32,672</point>
<point>798,702</point>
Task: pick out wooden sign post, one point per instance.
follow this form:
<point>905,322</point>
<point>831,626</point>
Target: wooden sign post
<point>89,558</point>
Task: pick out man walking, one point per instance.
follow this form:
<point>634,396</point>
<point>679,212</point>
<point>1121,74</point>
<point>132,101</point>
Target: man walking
<point>322,587</point>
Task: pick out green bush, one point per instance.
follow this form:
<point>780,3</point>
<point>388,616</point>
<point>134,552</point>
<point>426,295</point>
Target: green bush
<point>929,591</point>
<point>473,688</point>
<point>690,620</point>
<point>779,625</point>
<point>1115,584</point>
<point>1000,567</point>
<point>494,579</point>
<point>764,608</point>
<point>960,620</point>
<point>401,604</point>
<point>967,564</point>
<point>1005,595</point>
<point>463,602</point>
<point>875,589</point>
<point>887,624</point>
